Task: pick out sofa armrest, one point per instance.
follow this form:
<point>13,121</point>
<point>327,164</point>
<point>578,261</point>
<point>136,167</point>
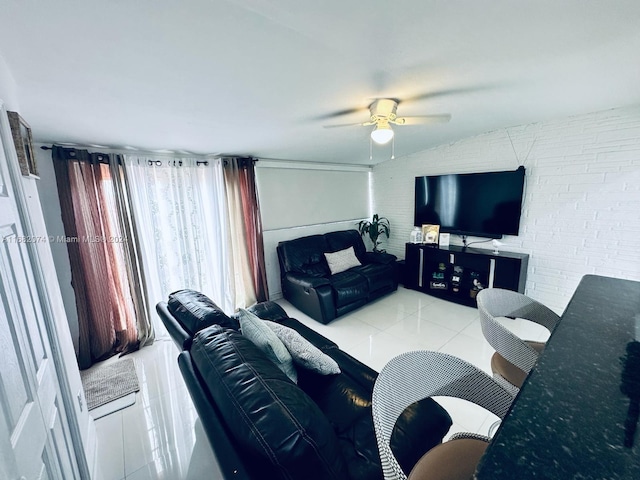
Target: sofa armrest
<point>176,330</point>
<point>379,257</point>
<point>311,295</point>
<point>220,437</point>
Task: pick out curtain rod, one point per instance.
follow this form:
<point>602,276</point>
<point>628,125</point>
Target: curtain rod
<point>160,154</point>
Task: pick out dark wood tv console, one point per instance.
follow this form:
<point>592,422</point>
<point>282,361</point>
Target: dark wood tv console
<point>458,273</point>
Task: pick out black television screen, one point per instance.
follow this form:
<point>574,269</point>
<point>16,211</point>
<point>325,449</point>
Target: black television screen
<point>479,204</point>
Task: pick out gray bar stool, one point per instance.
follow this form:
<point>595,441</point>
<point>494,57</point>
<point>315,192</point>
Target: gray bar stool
<point>514,357</point>
<point>413,376</point>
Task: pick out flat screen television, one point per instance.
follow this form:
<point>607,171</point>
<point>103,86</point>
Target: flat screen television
<point>479,204</point>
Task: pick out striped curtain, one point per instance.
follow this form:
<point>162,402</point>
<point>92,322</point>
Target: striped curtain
<point>113,316</point>
<point>244,212</point>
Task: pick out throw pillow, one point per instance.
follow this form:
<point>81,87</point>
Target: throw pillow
<point>342,260</point>
<point>263,337</point>
<point>304,353</point>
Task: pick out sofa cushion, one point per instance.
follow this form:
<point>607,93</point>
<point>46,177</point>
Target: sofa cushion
<point>342,260</point>
<point>378,275</point>
<point>266,340</point>
<point>273,421</point>
<point>348,287</point>
<point>345,239</point>
<point>195,311</point>
<point>303,352</point>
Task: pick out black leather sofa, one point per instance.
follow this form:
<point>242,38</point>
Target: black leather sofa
<point>309,285</point>
<point>262,425</point>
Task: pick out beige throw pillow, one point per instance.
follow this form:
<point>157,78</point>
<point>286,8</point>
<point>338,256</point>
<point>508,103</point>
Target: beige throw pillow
<point>342,260</point>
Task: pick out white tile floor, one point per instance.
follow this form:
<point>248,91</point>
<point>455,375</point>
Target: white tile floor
<point>156,437</point>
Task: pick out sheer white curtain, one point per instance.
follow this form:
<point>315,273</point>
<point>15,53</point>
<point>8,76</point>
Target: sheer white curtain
<point>180,209</point>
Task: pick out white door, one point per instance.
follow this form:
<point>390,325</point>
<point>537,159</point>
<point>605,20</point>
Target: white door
<point>34,438</point>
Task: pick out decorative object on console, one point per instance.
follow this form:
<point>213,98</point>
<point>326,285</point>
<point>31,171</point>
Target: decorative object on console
<point>444,239</point>
<point>21,133</point>
<point>416,235</point>
<point>496,244</point>
<point>456,277</point>
<point>374,228</point>
<point>476,284</point>
<point>430,234</point>
<point>438,278</point>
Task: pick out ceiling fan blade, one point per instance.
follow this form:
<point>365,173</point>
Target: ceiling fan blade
<point>423,119</point>
<point>365,124</point>
<point>340,113</point>
<point>442,93</point>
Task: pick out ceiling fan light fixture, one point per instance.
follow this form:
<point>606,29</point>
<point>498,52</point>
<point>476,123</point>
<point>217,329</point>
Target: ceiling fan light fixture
<point>382,134</point>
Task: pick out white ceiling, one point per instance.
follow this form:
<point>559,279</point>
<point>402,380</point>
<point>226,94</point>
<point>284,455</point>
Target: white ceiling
<point>262,77</point>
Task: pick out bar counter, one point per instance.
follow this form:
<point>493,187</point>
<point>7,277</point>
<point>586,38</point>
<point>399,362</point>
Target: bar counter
<point>577,413</point>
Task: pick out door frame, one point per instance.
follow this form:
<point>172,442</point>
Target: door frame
<point>44,296</point>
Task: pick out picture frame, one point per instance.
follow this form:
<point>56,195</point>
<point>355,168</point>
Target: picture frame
<point>430,234</point>
<point>23,142</point>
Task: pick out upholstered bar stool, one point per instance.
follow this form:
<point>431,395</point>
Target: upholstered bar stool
<point>413,376</point>
<point>514,357</point>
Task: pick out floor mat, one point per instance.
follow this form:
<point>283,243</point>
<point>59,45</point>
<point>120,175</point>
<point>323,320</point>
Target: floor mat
<point>107,383</point>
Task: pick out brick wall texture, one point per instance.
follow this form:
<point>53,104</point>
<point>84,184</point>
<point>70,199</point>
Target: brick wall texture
<point>581,210</point>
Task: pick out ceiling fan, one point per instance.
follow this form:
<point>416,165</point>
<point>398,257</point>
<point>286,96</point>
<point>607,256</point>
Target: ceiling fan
<point>383,115</point>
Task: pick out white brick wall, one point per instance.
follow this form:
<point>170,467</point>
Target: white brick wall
<point>581,212</point>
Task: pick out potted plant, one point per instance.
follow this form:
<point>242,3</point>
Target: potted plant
<point>374,228</point>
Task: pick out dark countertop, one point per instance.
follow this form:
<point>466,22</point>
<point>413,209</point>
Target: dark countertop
<point>568,421</point>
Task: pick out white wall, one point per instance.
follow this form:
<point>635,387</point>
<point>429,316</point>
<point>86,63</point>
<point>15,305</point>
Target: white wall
<point>8,90</point>
<point>307,199</point>
<point>581,213</point>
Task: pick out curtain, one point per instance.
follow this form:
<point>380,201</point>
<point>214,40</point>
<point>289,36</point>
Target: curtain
<point>244,213</point>
<point>179,207</point>
<point>132,255</point>
<point>98,245</point>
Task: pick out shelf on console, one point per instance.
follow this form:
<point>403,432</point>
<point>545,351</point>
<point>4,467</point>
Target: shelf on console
<point>458,273</point>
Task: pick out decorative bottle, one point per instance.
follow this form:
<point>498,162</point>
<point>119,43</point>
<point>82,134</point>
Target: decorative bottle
<point>416,235</point>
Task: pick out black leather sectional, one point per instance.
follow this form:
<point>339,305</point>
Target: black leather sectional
<point>263,425</point>
<point>309,285</point>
